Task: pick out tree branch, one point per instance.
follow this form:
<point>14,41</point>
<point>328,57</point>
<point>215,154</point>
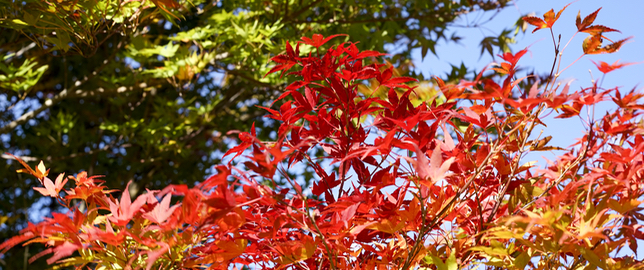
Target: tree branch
<point>74,155</point>
<point>294,15</point>
<point>372,20</point>
<point>66,93</point>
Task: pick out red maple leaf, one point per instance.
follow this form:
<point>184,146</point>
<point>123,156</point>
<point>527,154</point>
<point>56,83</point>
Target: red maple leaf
<point>605,67</point>
<point>123,211</point>
<point>318,40</point>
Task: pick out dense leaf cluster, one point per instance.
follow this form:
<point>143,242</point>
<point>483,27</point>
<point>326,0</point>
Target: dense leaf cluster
<point>146,91</point>
<point>433,185</point>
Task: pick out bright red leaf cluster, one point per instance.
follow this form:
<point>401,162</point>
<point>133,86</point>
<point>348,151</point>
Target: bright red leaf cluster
<point>442,184</point>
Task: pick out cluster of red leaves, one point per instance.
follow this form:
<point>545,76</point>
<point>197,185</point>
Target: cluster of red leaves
<point>439,184</point>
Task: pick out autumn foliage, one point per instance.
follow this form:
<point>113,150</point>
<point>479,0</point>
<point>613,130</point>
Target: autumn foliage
<point>404,183</point>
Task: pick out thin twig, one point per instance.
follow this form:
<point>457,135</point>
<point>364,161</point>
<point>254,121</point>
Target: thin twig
<point>66,93</point>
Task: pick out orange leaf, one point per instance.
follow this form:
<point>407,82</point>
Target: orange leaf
<point>597,29</point>
<point>551,18</point>
<point>592,44</point>
<point>588,20</point>
<point>39,173</point>
<point>538,22</point>
<point>570,111</point>
<point>439,81</point>
<point>605,67</point>
<point>295,251</point>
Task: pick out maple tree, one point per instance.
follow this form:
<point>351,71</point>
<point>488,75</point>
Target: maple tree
<point>432,185</point>
<point>125,88</point>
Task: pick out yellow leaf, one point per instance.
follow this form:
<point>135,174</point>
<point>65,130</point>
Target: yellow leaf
<point>41,168</point>
<point>623,207</point>
<point>506,233</point>
<point>592,258</point>
<point>388,226</point>
<point>18,21</point>
<point>3,219</point>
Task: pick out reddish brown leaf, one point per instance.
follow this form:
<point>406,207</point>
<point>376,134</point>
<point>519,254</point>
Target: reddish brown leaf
<point>536,21</point>
<point>592,44</point>
<point>615,46</point>
<point>597,29</point>
<point>588,20</point>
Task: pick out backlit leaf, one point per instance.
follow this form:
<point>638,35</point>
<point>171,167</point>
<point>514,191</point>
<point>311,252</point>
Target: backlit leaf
<point>604,67</point>
<point>536,21</point>
<point>588,20</point>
